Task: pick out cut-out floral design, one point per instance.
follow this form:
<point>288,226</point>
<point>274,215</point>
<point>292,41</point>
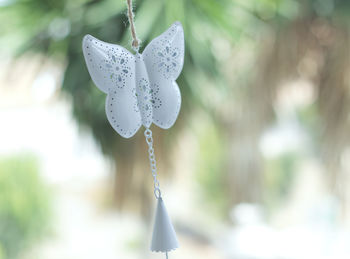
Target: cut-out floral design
<point>134,95</point>
<point>145,97</point>
<point>131,101</point>
<point>168,60</point>
<point>118,69</point>
<point>156,102</point>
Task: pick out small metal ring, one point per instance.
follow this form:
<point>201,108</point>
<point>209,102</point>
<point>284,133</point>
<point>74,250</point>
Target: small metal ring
<point>148,133</point>
<point>156,184</point>
<point>136,48</point>
<point>149,140</point>
<point>157,193</point>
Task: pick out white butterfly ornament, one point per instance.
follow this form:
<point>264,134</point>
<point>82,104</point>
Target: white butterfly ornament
<point>140,88</point>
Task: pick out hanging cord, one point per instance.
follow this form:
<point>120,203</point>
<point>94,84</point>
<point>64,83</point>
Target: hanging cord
<point>135,42</point>
<point>152,162</point>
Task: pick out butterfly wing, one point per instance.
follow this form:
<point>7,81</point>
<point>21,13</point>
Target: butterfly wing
<point>112,68</point>
<point>164,58</point>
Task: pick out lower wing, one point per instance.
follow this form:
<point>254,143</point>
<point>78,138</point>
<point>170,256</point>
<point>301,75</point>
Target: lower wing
<point>122,111</point>
<point>166,101</point>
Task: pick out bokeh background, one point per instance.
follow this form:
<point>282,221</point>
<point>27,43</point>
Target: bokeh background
<point>256,167</point>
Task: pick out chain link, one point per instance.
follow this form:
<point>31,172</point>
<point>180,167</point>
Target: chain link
<point>152,162</point>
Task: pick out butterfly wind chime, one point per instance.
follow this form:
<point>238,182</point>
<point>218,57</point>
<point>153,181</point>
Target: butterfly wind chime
<point>141,90</point>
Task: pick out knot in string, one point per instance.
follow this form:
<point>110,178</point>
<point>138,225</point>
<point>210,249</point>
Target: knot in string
<point>135,41</point>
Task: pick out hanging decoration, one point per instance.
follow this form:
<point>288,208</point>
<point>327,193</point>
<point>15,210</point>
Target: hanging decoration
<point>141,90</point>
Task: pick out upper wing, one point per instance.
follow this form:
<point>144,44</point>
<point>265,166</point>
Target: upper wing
<point>112,68</point>
<point>164,58</point>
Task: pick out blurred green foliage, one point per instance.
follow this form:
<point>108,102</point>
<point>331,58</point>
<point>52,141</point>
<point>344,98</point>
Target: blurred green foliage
<point>24,204</point>
<point>310,118</point>
<point>56,29</point>
<point>211,173</point>
<point>212,28</point>
<point>278,184</point>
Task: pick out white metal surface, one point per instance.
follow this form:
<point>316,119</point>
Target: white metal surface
<point>140,88</point>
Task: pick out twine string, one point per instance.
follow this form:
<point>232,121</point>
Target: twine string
<point>135,41</point>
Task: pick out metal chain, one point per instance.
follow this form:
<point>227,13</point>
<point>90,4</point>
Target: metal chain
<point>152,162</point>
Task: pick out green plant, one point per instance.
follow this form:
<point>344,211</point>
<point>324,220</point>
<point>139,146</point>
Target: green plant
<point>24,204</point>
